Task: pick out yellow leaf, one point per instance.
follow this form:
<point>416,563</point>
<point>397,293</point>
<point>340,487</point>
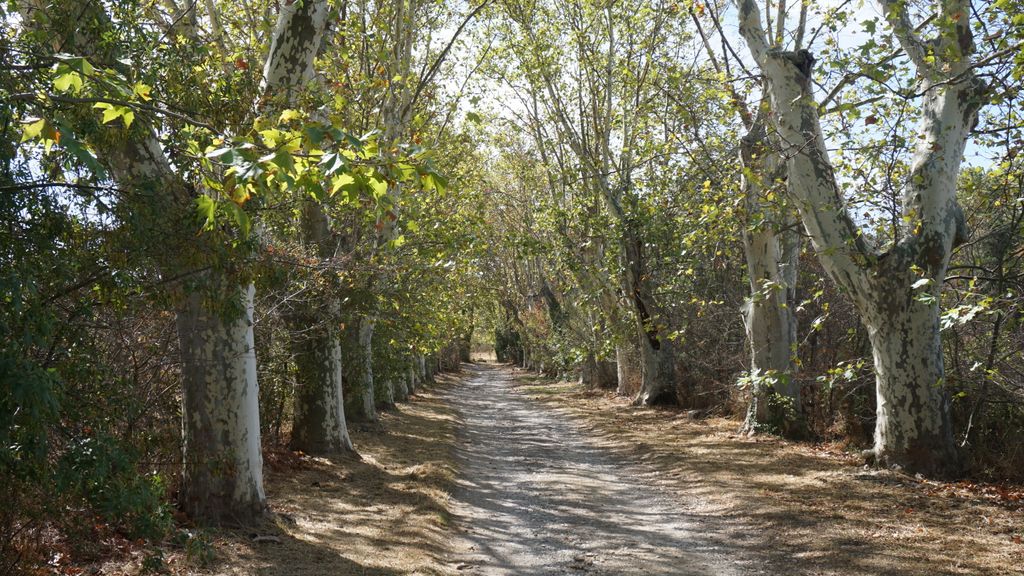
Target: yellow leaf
<point>289,115</point>
<point>70,81</point>
<point>143,91</point>
<point>32,130</point>
<point>111,114</point>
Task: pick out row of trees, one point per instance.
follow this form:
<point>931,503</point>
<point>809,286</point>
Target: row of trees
<point>659,157</point>
<point>232,223</point>
<point>221,220</point>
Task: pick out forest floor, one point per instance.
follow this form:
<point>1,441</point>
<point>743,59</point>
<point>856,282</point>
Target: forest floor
<point>798,508</point>
<point>385,513</point>
<point>499,472</point>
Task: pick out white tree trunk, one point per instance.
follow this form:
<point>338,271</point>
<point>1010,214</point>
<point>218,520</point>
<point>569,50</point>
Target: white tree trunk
<point>385,393</point>
<point>627,370</point>
<point>895,291</point>
<point>596,373</point>
<point>410,378</point>
<point>913,428</point>
<point>421,368</point>
<point>359,371</point>
<point>319,424</point>
<point>658,372</point>
<point>401,390</point>
<point>223,462</point>
<point>770,321</point>
<point>769,313</point>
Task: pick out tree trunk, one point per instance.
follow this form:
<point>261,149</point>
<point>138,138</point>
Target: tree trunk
<point>658,372</point>
<point>410,378</point>
<point>913,428</point>
<point>897,291</point>
<point>421,368</point>
<point>401,390</point>
<point>596,373</point>
<point>222,457</point>
<point>385,393</point>
<point>319,426</point>
<point>769,313</point>
<point>359,371</point>
<point>627,370</point>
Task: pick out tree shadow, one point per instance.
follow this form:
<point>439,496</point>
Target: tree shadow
<point>382,512</point>
<point>801,510</point>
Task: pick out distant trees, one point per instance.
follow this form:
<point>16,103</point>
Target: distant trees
<point>632,194</point>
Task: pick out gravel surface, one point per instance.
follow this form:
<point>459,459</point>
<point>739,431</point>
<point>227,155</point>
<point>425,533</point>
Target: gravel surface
<point>535,497</point>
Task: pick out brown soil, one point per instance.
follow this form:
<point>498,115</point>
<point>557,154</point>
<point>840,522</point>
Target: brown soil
<point>772,506</point>
<point>383,514</point>
<point>804,509</point>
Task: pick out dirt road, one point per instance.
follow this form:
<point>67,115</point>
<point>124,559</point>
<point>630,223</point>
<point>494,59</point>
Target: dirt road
<point>534,497</point>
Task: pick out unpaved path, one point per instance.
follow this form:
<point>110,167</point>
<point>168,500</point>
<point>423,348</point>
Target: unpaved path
<point>535,497</point>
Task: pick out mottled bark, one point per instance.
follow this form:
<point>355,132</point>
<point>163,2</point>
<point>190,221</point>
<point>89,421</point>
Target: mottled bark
<point>657,363</point>
<point>913,428</point>
<point>771,246</point>
<point>421,368</point>
<point>358,367</point>
<point>384,393</point>
<point>657,356</point>
<point>223,462</point>
<point>399,388</point>
<point>596,373</point>
<point>410,378</point>
<point>296,39</point>
<point>319,425</point>
<point>896,292</point>
<point>627,370</point>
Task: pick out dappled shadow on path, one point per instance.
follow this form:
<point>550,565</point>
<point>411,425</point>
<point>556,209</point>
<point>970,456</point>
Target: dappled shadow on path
<point>806,510</point>
<point>535,497</point>
<point>384,513</point>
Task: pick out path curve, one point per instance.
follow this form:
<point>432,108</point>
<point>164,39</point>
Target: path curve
<point>534,497</point>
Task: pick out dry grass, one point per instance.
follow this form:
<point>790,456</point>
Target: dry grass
<point>805,509</point>
<point>385,513</point>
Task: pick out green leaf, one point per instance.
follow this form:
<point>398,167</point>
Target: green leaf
<point>77,63</point>
<point>314,135</point>
<point>378,187</point>
<point>224,155</point>
<point>343,182</point>
<point>332,163</point>
<point>240,217</point>
<point>207,210</point>
<point>142,91</point>
<point>434,181</point>
<point>80,152</point>
<point>283,160</point>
